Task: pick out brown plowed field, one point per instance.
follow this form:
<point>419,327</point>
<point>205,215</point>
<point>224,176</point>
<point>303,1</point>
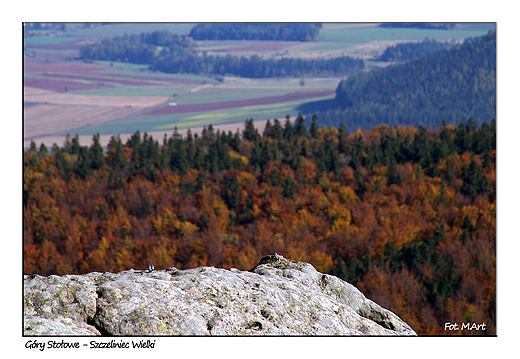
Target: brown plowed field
<point>52,112</point>
<point>120,80</point>
<point>212,106</point>
<point>155,79</point>
<point>44,120</point>
<point>71,77</point>
<point>32,65</point>
<point>58,85</point>
<point>126,79</point>
<point>94,100</point>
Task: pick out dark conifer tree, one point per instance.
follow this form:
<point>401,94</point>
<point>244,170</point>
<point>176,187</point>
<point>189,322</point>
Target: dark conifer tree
<point>178,158</point>
<point>277,132</point>
<point>231,192</point>
<point>43,150</point>
<point>314,127</point>
<point>421,147</point>
<point>250,133</point>
<point>340,269</point>
<point>96,154</point>
<point>82,167</point>
<point>268,129</point>
<point>202,180</point>
<point>343,133</point>
<point>199,158</point>
<point>274,179</point>
<point>299,126</point>
<point>394,176</point>
<point>236,141</point>
<point>135,140</point>
<point>474,180</point>
<point>33,146</point>
<point>75,145</point>
<point>67,144</point>
<point>288,129</point>
<point>63,165</point>
<point>319,155</point>
<point>462,140</point>
<point>445,145</point>
<point>115,153</point>
<point>331,156</point>
<point>404,148</point>
<point>289,187</point>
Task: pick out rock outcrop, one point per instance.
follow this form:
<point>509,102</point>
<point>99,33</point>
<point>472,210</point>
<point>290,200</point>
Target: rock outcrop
<point>278,296</point>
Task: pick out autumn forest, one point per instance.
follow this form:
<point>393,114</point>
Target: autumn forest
<point>406,214</point>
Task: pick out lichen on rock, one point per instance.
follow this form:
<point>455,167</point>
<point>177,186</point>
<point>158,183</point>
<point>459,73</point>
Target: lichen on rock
<point>278,296</point>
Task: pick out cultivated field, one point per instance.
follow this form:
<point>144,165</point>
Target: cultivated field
<point>213,106</point>
<point>45,120</point>
<point>63,95</point>
<point>93,100</point>
<point>49,113</point>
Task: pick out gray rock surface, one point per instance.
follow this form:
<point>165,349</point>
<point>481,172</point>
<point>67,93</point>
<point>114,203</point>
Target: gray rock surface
<point>277,297</point>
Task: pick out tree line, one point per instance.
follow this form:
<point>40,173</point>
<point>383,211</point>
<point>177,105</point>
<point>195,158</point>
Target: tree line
<point>454,85</point>
<point>254,66</point>
<point>256,31</point>
<point>406,214</point>
<point>421,25</point>
<point>171,53</point>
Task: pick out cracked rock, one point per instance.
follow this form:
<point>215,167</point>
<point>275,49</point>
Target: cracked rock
<point>278,296</point>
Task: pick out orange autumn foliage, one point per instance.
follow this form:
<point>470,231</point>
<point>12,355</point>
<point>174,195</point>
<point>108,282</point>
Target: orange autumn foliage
<point>416,235</point>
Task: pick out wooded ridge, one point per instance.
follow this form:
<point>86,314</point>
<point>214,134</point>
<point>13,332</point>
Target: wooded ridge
<point>453,85</point>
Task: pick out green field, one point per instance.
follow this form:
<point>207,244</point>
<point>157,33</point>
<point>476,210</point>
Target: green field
<point>46,40</point>
<point>226,96</point>
<point>133,91</point>
<point>140,70</point>
<point>137,28</point>
<point>349,36</point>
<point>199,119</point>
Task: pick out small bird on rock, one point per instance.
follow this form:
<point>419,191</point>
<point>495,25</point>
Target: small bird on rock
<point>151,268</point>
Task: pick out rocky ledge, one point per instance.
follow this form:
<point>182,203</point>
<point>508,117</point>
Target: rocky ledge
<point>278,296</point>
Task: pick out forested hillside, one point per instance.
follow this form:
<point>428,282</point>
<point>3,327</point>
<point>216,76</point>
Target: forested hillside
<point>405,214</point>
<point>171,53</point>
<point>451,85</point>
<point>412,50</point>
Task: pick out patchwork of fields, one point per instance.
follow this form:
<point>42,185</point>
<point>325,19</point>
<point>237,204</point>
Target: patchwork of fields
<point>70,97</point>
<point>65,96</point>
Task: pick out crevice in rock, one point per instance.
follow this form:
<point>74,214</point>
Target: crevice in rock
<point>100,329</point>
<point>92,320</point>
<point>377,317</point>
<point>255,325</point>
